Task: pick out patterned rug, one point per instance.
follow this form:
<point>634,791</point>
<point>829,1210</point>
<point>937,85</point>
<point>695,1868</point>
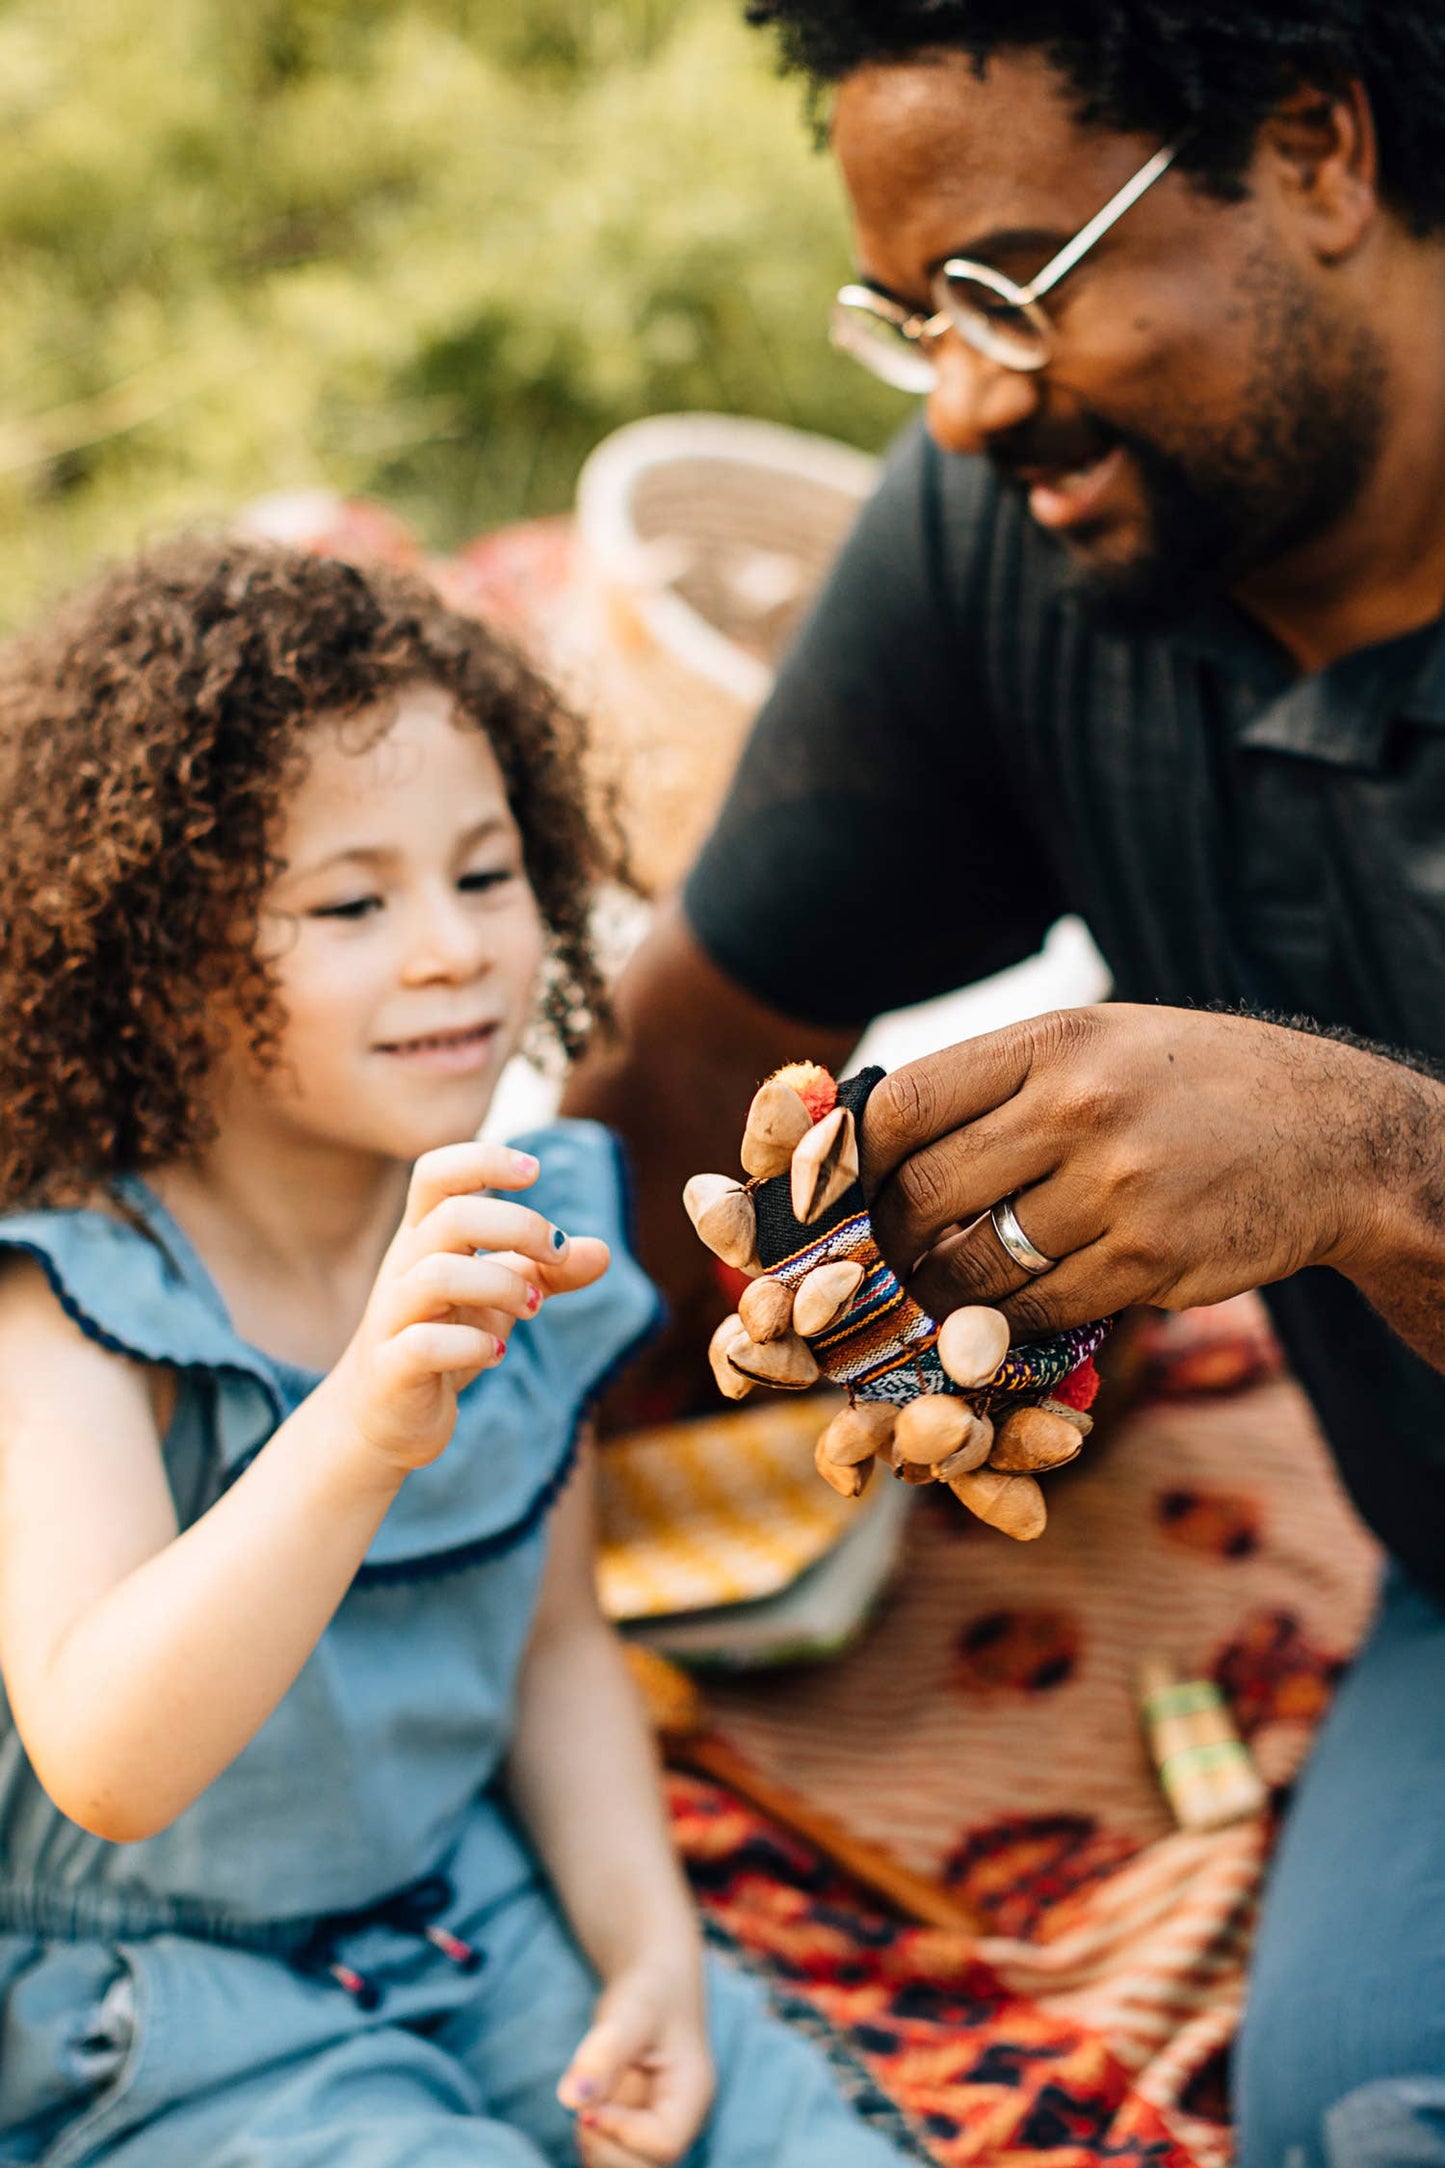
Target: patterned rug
<point>985,1730</point>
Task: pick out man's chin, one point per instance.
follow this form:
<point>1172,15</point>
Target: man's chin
<point>1131,591</point>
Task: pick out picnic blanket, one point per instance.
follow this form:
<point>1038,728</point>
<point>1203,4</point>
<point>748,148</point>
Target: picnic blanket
<point>986,1731</point>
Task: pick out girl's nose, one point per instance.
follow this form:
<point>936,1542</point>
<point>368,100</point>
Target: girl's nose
<point>446,942</point>
<point>976,399</point>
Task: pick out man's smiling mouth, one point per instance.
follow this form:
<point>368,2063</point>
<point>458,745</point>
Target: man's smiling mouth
<point>1059,500</point>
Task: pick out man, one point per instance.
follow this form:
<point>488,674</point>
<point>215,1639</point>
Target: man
<point>1148,626</point>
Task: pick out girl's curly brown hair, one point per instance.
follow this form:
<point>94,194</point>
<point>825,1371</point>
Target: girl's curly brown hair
<point>149,735</point>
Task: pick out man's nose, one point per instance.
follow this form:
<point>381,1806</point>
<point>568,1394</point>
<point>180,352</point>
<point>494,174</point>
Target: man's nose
<point>976,399</point>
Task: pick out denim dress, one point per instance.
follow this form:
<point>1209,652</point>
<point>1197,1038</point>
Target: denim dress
<point>344,1952</point>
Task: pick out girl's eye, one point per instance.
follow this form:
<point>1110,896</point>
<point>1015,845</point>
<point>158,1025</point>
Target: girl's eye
<point>355,907</point>
<point>477,884</point>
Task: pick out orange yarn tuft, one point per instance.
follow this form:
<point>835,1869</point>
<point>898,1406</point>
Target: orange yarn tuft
<point>813,1085</point>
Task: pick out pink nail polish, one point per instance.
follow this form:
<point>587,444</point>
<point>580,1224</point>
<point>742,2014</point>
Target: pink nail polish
<point>524,1163</point>
<point>534,1301</point>
<point>501,1347</point>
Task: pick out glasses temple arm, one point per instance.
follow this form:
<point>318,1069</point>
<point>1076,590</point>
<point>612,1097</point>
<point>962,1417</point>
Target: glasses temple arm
<point>1100,223</point>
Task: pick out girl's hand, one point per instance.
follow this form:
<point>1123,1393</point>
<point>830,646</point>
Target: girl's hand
<point>461,1270</point>
<point>641,2083</point>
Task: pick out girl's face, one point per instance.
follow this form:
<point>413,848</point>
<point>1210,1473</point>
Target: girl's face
<point>404,937</point>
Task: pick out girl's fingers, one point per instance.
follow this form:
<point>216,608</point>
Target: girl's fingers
<point>601,2057</point>
<point>641,2134</point>
<point>488,1223</point>
<point>456,1170</point>
<point>596,2151</point>
<point>435,1349</point>
<point>585,1259</point>
<point>659,2124</point>
<point>446,1281</point>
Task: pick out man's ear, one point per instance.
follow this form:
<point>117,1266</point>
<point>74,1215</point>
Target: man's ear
<point>1321,154</point>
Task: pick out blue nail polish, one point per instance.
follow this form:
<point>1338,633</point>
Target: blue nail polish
<point>559,1240</point>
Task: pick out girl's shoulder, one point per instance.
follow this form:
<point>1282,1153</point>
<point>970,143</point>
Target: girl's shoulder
<point>117,1276</point>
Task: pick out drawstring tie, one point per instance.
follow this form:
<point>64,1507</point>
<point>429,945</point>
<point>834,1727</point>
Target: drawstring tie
<point>411,1911</point>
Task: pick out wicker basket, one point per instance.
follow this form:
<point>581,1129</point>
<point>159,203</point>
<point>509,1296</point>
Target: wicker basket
<point>702,540</point>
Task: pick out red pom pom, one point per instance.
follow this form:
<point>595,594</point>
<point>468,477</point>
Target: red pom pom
<point>813,1085</point>
<point>733,1283</point>
<point>1080,1388</point>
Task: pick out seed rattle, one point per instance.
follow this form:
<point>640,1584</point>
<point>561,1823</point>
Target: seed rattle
<point>951,1403</point>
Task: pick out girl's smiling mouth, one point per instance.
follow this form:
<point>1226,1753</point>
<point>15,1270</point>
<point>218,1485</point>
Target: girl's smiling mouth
<point>448,1053</point>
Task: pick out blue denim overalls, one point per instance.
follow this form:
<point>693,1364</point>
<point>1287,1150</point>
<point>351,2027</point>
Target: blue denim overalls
<point>343,1953</point>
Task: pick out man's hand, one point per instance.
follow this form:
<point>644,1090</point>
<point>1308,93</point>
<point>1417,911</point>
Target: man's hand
<point>1162,1156</point>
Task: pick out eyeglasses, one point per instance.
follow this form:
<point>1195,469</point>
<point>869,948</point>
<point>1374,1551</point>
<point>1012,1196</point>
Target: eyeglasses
<point>997,318</point>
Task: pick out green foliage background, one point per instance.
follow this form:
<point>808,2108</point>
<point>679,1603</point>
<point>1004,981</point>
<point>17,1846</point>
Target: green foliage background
<point>430,250</point>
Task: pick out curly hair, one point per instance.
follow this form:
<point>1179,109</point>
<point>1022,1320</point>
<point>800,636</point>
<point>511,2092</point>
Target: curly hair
<point>1202,73</point>
<point>149,736</point>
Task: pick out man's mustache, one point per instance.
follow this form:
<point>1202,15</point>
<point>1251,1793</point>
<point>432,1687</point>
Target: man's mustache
<point>1051,447</point>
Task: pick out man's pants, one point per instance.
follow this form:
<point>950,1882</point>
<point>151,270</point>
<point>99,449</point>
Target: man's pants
<point>1342,2059</point>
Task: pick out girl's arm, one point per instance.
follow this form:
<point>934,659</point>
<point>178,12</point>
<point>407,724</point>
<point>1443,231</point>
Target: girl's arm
<point>139,1661</point>
<point>584,1777</point>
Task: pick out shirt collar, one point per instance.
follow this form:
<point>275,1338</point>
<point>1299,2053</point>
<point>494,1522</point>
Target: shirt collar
<point>1342,715</point>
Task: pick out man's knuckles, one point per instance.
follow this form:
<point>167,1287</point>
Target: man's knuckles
<point>901,1113</point>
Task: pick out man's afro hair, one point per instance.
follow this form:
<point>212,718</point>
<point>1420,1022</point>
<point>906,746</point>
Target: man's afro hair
<point>1200,73</point>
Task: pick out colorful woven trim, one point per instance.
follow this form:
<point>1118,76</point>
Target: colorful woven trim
<point>884,1348</point>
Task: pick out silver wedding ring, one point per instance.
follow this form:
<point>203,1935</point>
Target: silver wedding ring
<point>1016,1242</point>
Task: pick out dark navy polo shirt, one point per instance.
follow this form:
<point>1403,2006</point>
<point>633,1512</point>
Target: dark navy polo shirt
<point>954,756</point>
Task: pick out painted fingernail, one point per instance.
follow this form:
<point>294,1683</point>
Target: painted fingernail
<point>524,1163</point>
<point>559,1241</point>
<point>501,1348</point>
<point>534,1300</point>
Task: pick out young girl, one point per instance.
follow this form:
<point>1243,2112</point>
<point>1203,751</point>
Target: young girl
<point>329,1831</point>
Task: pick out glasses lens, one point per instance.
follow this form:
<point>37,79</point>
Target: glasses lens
<point>881,347</point>
<point>993,324</point>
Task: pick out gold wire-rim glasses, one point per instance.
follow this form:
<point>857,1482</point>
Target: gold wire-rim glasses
<point>997,317</point>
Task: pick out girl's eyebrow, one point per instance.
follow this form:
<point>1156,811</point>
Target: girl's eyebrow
<point>381,854</point>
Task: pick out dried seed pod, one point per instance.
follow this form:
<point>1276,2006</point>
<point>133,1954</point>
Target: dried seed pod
<point>777,1121</point>
<point>825,1165</point>
<point>766,1310</point>
<point>858,1433</point>
<point>1082,1421</point>
<point>971,1345</point>
<point>1033,1440</point>
<point>787,1364</point>
<point>824,1295</point>
<point>914,1472</point>
<point>1013,1503</point>
<point>973,1452</point>
<point>930,1429</point>
<point>848,1479</point>
<point>725,1218</point>
<point>730,1383</point>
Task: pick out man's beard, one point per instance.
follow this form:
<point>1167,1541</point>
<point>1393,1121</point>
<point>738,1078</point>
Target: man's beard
<point>1224,501</point>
